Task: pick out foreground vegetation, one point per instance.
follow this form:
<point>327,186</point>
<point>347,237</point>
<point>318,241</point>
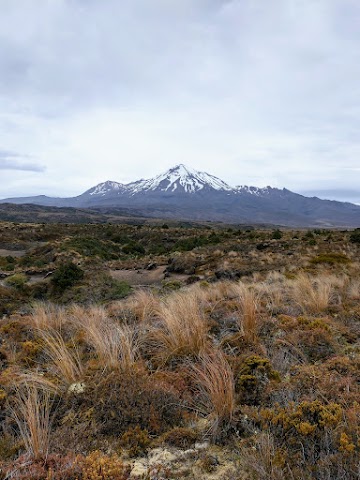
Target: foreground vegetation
<point>238,360</point>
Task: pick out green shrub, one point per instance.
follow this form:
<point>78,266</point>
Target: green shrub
<point>355,236</point>
<point>252,376</point>
<point>133,248</point>
<point>276,234</point>
<point>331,258</point>
<point>67,275</point>
<point>17,281</point>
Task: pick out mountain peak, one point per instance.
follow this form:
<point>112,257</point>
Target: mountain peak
<point>180,179</point>
<point>105,188</point>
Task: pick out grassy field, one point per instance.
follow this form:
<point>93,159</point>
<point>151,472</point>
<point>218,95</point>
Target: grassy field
<point>177,352</point>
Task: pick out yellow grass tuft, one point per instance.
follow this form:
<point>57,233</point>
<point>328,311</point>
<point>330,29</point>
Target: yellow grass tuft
<point>313,295</point>
<point>144,304</point>
<point>66,360</point>
<point>183,329</point>
<point>48,316</point>
<point>31,412</point>
<point>249,305</point>
<point>115,345</point>
<point>215,391</point>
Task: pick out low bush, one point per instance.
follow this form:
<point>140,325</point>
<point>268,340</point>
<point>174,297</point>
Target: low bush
<point>67,275</point>
<point>253,374</point>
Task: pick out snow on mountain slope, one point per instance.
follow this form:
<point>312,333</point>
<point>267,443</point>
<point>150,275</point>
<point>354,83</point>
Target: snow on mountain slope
<point>106,188</point>
<point>179,179</point>
<point>253,190</point>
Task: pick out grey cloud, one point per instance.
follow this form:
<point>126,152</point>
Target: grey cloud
<point>13,161</point>
<point>276,82</point>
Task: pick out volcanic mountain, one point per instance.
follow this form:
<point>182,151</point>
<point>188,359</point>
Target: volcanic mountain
<point>184,193</point>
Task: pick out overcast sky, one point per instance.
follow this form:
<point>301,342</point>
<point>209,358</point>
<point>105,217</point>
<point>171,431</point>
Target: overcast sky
<point>257,92</point>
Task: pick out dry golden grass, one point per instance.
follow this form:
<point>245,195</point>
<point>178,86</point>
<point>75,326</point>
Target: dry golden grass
<point>220,291</point>
<point>353,290</point>
<point>215,391</point>
<point>260,461</point>
<point>249,305</point>
<point>183,329</point>
<point>48,316</point>
<point>115,345</point>
<point>144,304</point>
<point>31,411</point>
<point>313,295</point>
<point>67,362</point>
<point>35,379</point>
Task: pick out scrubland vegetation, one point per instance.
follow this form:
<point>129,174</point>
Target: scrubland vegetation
<point>159,352</point>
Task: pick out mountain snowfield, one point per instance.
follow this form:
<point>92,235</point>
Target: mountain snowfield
<point>184,193</point>
<point>177,179</point>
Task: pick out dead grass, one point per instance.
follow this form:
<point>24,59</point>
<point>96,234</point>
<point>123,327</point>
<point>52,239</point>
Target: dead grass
<point>261,461</point>
<point>116,346</point>
<point>215,391</point>
<point>144,304</point>
<point>313,295</point>
<point>31,412</point>
<point>249,305</point>
<point>67,362</point>
<point>183,329</point>
<point>48,316</point>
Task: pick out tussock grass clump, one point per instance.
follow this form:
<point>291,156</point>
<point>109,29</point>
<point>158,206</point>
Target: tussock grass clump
<point>215,391</point>
<point>115,345</point>
<point>67,361</point>
<point>313,295</point>
<point>249,306</point>
<point>48,316</point>
<point>144,304</point>
<point>183,329</point>
<point>31,412</point>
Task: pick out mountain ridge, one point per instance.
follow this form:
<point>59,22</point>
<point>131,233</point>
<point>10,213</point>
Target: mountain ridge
<point>182,192</point>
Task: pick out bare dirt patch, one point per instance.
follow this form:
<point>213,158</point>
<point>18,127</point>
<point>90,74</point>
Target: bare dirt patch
<point>145,277</point>
<point>13,253</point>
<point>140,277</point>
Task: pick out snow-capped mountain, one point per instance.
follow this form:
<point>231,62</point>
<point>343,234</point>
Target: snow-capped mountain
<point>179,179</point>
<point>182,192</point>
<point>105,188</point>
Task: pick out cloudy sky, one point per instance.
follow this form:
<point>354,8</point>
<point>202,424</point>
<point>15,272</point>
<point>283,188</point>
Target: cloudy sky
<point>259,92</point>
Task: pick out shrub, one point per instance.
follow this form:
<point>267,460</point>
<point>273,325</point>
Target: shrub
<point>331,258</point>
<point>136,441</point>
<point>252,376</point>
<point>97,466</point>
<point>133,248</point>
<point>180,437</point>
<point>276,234</point>
<point>17,281</point>
<point>116,402</point>
<point>66,276</point>
<point>355,236</point>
